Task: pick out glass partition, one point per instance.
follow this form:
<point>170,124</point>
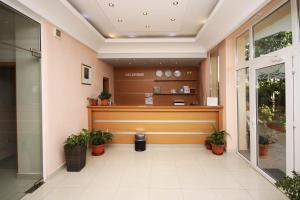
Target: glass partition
<point>273,32</point>
<point>243,112</point>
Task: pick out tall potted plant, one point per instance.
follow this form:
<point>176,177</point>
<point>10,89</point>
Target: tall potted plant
<point>218,142</point>
<point>75,150</point>
<point>98,140</point>
<point>104,96</point>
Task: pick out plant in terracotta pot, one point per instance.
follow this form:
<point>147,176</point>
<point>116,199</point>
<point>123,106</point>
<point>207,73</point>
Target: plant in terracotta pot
<point>98,140</point>
<point>263,145</point>
<point>92,101</point>
<point>104,96</point>
<point>218,142</point>
<point>75,150</point>
<point>207,142</point>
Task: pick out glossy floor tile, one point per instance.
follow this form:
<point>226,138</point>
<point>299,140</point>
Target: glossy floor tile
<point>160,172</point>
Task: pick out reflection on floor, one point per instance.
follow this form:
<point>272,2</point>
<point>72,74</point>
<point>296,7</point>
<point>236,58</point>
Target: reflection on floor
<point>159,173</point>
<point>12,187</point>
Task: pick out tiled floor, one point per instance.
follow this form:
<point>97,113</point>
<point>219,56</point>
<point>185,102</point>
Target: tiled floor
<point>160,173</point>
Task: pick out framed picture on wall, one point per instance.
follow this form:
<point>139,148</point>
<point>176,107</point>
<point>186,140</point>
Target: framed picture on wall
<point>86,74</point>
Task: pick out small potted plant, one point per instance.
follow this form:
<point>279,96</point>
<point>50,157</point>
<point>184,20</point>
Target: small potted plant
<point>92,101</point>
<point>75,150</point>
<point>218,142</point>
<point>104,96</point>
<point>207,142</point>
<point>263,145</point>
<point>98,140</point>
<point>290,186</point>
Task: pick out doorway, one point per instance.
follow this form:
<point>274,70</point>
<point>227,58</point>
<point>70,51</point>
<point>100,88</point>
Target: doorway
<point>20,104</point>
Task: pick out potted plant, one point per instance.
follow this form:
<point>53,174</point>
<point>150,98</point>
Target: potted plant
<point>207,142</point>
<point>75,150</point>
<point>263,145</point>
<point>290,186</point>
<point>98,140</point>
<point>218,142</point>
<point>92,101</point>
<point>104,96</point>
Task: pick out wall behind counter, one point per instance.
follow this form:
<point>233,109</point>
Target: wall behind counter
<point>131,84</point>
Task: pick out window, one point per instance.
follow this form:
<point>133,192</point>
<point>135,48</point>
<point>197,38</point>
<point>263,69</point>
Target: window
<point>274,32</point>
<point>243,48</point>
<point>214,75</point>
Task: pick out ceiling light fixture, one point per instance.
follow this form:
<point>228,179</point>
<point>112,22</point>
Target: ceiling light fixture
<point>111,4</point>
<point>147,26</point>
<point>175,3</point>
<point>173,19</point>
<point>120,20</point>
<point>145,13</point>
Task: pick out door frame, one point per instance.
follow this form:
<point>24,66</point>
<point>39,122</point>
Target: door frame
<point>282,56</point>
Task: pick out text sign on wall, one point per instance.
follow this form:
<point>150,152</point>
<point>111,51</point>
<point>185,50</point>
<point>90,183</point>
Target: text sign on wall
<point>137,74</point>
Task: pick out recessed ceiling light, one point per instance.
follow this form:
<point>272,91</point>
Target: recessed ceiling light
<point>131,36</point>
<point>145,13</point>
<point>175,3</point>
<point>111,4</point>
<point>120,20</point>
<point>172,34</point>
<point>173,19</point>
<point>147,26</point>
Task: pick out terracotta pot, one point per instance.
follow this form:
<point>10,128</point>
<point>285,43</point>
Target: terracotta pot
<point>218,149</point>
<point>104,102</point>
<point>93,102</point>
<point>263,149</point>
<point>208,146</point>
<point>97,149</point>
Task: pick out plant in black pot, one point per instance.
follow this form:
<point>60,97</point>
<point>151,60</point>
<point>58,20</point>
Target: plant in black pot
<point>290,186</point>
<point>218,142</point>
<point>75,150</point>
<point>104,96</point>
<point>98,140</point>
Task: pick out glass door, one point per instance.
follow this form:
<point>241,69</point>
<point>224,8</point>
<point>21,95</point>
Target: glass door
<point>273,108</point>
<point>20,104</point>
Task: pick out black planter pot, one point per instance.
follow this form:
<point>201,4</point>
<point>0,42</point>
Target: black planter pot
<point>75,157</point>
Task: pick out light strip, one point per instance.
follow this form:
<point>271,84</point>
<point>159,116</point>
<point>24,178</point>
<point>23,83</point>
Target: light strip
<point>157,121</point>
<point>158,133</point>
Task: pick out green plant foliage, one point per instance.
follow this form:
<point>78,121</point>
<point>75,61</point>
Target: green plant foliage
<point>81,139</point>
<point>263,140</point>
<point>100,137</point>
<point>273,43</point>
<point>218,137</point>
<point>290,186</point>
<point>208,140</point>
<point>104,95</point>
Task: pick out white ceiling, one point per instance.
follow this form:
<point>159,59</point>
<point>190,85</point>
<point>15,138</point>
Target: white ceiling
<point>145,18</point>
<point>226,16</point>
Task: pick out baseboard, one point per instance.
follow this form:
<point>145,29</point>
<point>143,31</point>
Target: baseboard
<point>54,172</point>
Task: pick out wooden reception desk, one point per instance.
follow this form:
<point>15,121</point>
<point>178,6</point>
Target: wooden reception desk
<point>161,124</point>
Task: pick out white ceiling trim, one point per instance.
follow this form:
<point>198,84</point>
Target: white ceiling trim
<point>105,55</point>
<point>151,40</point>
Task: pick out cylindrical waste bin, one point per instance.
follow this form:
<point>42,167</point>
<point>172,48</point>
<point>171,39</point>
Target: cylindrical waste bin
<point>140,142</point>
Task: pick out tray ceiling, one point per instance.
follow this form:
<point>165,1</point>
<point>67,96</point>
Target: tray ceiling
<point>145,18</point>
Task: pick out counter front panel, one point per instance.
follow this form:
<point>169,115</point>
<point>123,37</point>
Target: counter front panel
<point>161,124</point>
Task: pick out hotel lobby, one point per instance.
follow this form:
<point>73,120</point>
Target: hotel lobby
<point>149,100</point>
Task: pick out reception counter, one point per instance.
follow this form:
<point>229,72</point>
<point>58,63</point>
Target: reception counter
<point>161,124</point>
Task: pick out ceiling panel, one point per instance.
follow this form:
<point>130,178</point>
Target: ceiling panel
<point>146,18</point>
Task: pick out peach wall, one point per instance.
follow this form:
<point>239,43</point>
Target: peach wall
<point>64,97</point>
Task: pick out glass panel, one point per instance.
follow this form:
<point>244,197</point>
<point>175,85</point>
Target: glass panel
<point>214,75</point>
<point>274,32</point>
<point>243,112</point>
<point>20,107</point>
<point>243,48</point>
<point>271,120</point>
